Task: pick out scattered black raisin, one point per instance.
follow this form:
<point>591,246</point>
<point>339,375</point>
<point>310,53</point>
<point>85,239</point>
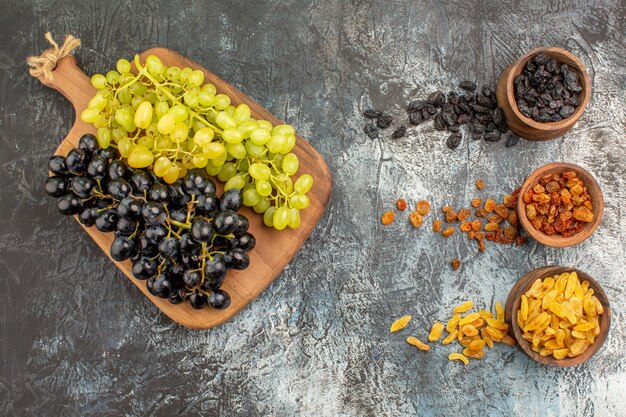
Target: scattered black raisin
<point>415,118</point>
<point>372,114</point>
<point>438,123</point>
<point>398,133</point>
<point>454,140</point>
<point>512,140</point>
<point>492,136</point>
<point>416,105</point>
<point>448,119</point>
<point>384,121</point>
<point>370,131</point>
<point>467,85</point>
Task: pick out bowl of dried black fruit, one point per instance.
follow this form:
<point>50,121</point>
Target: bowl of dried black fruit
<point>543,93</point>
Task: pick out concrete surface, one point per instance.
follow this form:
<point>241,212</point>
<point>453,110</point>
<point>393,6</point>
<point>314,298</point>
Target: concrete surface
<point>77,337</point>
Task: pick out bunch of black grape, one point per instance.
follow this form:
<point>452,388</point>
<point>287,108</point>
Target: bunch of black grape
<point>180,237</point>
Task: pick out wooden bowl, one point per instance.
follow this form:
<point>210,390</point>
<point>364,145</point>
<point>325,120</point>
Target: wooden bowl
<point>513,304</point>
<point>593,188</point>
<point>526,127</point>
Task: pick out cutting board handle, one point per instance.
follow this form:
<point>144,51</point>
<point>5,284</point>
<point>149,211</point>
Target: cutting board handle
<point>75,85</point>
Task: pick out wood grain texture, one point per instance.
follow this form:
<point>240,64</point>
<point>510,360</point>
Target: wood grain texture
<point>274,248</point>
<point>593,188</point>
<point>513,305</point>
<point>526,127</point>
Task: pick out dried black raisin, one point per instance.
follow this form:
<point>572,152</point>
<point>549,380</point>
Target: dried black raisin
<point>384,121</point>
<point>416,105</point>
<point>370,131</point>
<point>454,140</point>
<point>438,123</point>
<point>512,140</point>
<point>372,114</point>
<point>415,118</point>
<point>398,133</point>
<point>467,85</point>
<point>448,119</point>
<point>492,136</point>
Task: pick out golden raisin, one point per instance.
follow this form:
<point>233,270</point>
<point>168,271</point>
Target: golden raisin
<point>388,218</point>
<point>456,264</point>
<point>492,227</point>
<point>458,357</point>
<point>400,323</point>
<point>401,204</point>
<point>451,216</point>
<point>464,213</point>
<point>477,225</point>
<point>446,209</point>
<point>509,201</point>
<point>480,213</point>
<point>466,227</point>
<point>480,184</point>
<point>415,219</point>
<point>435,332</point>
<point>476,202</point>
<point>495,218</point>
<point>462,308</point>
<point>423,207</point>
<point>436,225</point>
<point>490,205</point>
<point>448,232</point>
<point>412,340</point>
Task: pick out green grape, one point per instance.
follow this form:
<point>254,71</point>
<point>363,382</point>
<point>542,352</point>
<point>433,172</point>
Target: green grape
<point>225,121</point>
<point>101,122</point>
<point>126,78</point>
<point>213,150</point>
<point>235,182</point>
<point>191,99</point>
<point>254,150</point>
<point>212,170</point>
<point>166,123</point>
<point>124,96</point>
<point>179,132</point>
<point>244,165</point>
<point>118,133</point>
<point>222,101</point>
<point>138,89</point>
<point>151,97</point>
<point>281,218</point>
<point>140,157</point>
<point>89,115</point>
<point>146,141</point>
<point>123,116</point>
<point>288,147</point>
<point>262,206</point>
<point>99,81</point>
<point>290,164</point>
<point>246,128</point>
<point>283,130</point>
<point>113,77</point>
<point>237,150</point>
<point>97,102</point>
<point>123,66</point>
<point>264,124</point>
<point>268,216</point>
<point>161,108</point>
<point>203,136</point>
<point>104,137</point>
<point>251,197</point>
<point>303,183</point>
<point>205,99</point>
<point>259,171</point>
<point>242,113</point>
<point>285,183</point>
<point>153,130</point>
<point>185,73</point>
<point>164,142</point>
<point>136,101</point>
<point>210,89</point>
<point>196,78</point>
<point>199,160</point>
<point>143,115</point>
<point>228,171</point>
<point>294,218</point>
<point>231,135</point>
<point>299,201</point>
<point>260,136</point>
<point>161,165</point>
<point>220,160</point>
<point>125,146</point>
<point>249,186</point>
<point>264,188</point>
<point>179,112</point>
<point>171,174</point>
<point>154,65</point>
<point>197,125</point>
<point>173,73</point>
<point>277,143</point>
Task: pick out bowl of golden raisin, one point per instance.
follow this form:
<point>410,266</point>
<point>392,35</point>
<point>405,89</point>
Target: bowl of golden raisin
<point>560,204</point>
<point>559,316</point>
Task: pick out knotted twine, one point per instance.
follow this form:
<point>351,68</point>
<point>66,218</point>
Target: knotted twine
<point>47,61</point>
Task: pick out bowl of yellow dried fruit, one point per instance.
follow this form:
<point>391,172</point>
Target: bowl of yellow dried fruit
<point>560,204</point>
<point>559,316</point>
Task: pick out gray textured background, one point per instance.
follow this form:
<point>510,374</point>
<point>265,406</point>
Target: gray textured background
<point>79,339</point>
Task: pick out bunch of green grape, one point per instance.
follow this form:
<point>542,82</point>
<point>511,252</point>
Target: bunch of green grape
<point>166,118</point>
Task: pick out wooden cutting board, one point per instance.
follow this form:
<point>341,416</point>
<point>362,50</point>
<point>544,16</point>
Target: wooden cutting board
<point>274,248</point>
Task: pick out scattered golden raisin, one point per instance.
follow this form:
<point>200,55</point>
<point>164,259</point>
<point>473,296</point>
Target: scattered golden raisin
<point>480,184</point>
<point>458,357</point>
<point>451,216</point>
<point>412,340</point>
<point>401,204</point>
<point>436,225</point>
<point>464,213</point>
<point>490,205</point>
<point>388,218</point>
<point>435,332</point>
<point>423,207</point>
<point>476,202</point>
<point>477,225</point>
<point>492,227</point>
<point>456,264</point>
<point>448,232</point>
<point>480,213</point>
<point>463,307</point>
<point>415,219</point>
<point>400,323</point>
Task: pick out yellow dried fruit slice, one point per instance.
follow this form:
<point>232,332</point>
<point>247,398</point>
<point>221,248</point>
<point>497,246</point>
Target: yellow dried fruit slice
<point>590,307</point>
<point>577,305</point>
<point>435,332</point>
<point>476,344</point>
<point>412,340</point>
<point>454,321</point>
<point>498,324</point>
<point>578,347</point>
<point>553,344</point>
<point>560,353</point>
<point>599,308</point>
<point>561,282</point>
<point>476,354</point>
<point>545,352</point>
<point>558,309</point>
<point>549,298</point>
<point>534,289</point>
<point>579,335</point>
<point>450,338</point>
<point>463,307</point>
<point>458,357</point>
<point>499,311</point>
<point>486,337</point>
<point>560,336</point>
<point>484,314</point>
<point>495,334</point>
<point>585,327</point>
<point>524,308</point>
<point>570,314</point>
<point>400,323</point>
<point>536,322</point>
<point>572,280</point>
<point>469,319</point>
<point>469,330</point>
<point>478,323</point>
<point>548,283</point>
